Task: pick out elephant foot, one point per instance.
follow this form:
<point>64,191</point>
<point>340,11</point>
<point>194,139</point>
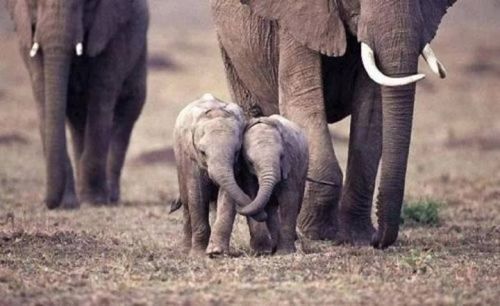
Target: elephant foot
<point>285,250</point>
<point>318,216</point>
<point>114,193</point>
<point>357,232</point>
<point>262,245</point>
<point>95,198</point>
<point>318,225</point>
<point>217,249</point>
<point>69,201</point>
<point>385,236</point>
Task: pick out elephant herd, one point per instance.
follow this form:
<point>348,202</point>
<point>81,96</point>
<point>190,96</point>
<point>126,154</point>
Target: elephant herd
<point>313,62</point>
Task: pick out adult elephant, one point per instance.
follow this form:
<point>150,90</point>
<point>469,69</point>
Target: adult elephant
<point>304,60</point>
<point>87,62</point>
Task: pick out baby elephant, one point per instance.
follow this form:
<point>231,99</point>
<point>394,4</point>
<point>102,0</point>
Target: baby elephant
<point>207,141</point>
<point>275,154</point>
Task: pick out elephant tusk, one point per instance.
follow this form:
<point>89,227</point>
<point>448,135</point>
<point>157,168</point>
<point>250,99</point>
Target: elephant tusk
<point>433,62</point>
<point>368,57</point>
<point>79,49</point>
<point>34,49</point>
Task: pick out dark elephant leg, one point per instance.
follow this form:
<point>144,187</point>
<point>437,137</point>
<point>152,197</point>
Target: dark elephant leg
<point>302,101</point>
<point>101,100</point>
<point>127,112</point>
<point>260,238</point>
<point>77,117</point>
<point>273,222</point>
<point>365,149</point>
<point>223,226</point>
<point>289,199</point>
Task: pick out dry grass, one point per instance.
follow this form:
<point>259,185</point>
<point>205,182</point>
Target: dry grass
<point>130,254</point>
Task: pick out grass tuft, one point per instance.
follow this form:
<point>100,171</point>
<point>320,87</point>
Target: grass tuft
<point>421,212</point>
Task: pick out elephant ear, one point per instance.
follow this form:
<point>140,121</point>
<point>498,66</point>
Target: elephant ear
<point>21,12</point>
<point>236,111</point>
<point>286,162</point>
<point>433,12</point>
<point>107,17</point>
<point>315,24</point>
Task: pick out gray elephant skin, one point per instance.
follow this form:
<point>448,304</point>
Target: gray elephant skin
<point>316,62</point>
<point>275,162</point>
<point>208,136</point>
<point>87,63</point>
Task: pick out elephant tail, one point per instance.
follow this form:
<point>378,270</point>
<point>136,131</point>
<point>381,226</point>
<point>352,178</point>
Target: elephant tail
<point>175,204</point>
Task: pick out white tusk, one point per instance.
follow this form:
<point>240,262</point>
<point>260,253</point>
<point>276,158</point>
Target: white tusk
<point>34,49</point>
<point>376,75</point>
<point>79,49</point>
<point>433,61</point>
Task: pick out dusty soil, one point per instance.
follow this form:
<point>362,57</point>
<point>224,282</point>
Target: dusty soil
<point>130,254</point>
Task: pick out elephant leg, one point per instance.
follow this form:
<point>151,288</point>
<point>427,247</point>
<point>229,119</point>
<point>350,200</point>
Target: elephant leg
<point>100,112</point>
<point>127,112</point>
<point>223,226</point>
<point>260,238</point>
<point>365,149</point>
<point>302,101</point>
<point>273,222</point>
<point>239,92</point>
<point>77,116</point>
<point>198,198</point>
<point>188,232</point>
<point>289,200</point>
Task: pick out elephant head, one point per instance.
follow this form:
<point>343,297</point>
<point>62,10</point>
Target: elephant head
<point>54,32</point>
<point>267,156</point>
<point>393,34</point>
<point>216,144</point>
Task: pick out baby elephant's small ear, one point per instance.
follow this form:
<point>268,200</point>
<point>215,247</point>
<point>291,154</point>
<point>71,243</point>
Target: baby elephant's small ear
<point>175,205</point>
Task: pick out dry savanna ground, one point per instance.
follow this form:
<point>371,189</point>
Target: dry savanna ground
<point>130,254</point>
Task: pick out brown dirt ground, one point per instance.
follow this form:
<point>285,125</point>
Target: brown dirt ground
<point>130,254</point>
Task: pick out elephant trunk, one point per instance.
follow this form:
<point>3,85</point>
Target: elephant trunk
<point>224,176</point>
<point>397,105</point>
<point>267,181</point>
<point>56,68</point>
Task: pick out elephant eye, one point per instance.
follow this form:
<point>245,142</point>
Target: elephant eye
<point>203,153</point>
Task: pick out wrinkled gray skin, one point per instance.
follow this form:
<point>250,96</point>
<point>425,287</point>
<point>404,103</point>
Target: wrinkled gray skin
<point>100,93</point>
<point>275,154</point>
<point>302,59</point>
<point>208,136</point>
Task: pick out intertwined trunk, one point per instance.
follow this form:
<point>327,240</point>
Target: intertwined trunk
<point>223,173</point>
<point>267,181</point>
<point>268,170</point>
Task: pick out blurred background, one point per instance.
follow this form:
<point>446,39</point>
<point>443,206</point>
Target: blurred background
<point>455,156</point>
<point>456,129</point>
